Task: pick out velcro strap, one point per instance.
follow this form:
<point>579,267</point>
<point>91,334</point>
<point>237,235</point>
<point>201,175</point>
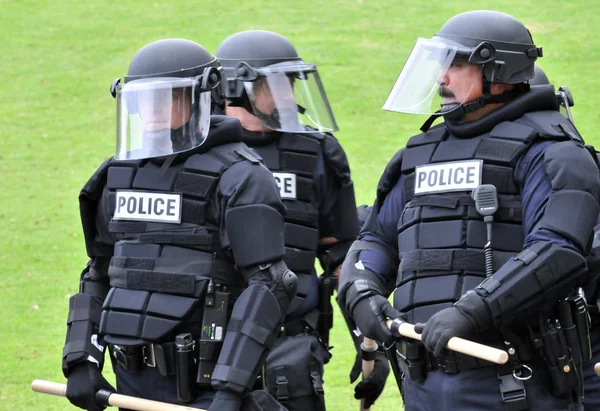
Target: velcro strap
<point>83,307</point>
<point>176,238</point>
<point>457,259</point>
<point>255,331</point>
<point>73,347</point>
<point>92,314</point>
<point>233,375</point>
<point>170,283</point>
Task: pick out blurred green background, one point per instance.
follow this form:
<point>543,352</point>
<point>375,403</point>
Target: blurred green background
<point>57,124</point>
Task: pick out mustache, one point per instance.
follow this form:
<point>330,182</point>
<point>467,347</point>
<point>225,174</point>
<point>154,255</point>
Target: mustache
<point>445,92</point>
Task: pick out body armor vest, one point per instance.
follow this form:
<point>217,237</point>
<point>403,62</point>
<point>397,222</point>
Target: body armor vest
<point>441,237</point>
<point>292,158</point>
<point>160,270</point>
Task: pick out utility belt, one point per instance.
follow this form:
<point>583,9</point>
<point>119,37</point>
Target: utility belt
<point>560,346</point>
<point>192,360</point>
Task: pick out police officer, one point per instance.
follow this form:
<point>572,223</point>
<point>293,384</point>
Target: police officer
<point>186,286</point>
<point>287,119</point>
<point>481,225</point>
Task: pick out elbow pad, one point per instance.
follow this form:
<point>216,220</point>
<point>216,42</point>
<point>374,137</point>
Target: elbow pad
<point>532,281</point>
<point>356,282</point>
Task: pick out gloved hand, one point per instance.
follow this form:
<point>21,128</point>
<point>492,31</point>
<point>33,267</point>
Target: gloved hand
<point>226,401</point>
<point>83,383</point>
<point>468,316</point>
<point>371,314</point>
<point>371,388</point>
<point>356,368</point>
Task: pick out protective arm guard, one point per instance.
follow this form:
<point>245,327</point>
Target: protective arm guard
<point>532,281</point>
<point>255,321</point>
<point>85,308</point>
<point>545,272</point>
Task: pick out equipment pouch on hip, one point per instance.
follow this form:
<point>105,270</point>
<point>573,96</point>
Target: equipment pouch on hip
<point>411,358</point>
<point>294,372</point>
<point>214,324</point>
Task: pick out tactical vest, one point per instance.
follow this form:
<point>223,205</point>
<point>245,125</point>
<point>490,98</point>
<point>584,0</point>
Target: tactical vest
<point>292,158</point>
<point>441,236</point>
<point>160,269</point>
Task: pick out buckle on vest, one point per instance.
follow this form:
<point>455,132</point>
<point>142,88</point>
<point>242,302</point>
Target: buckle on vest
<point>282,393</point>
<point>317,383</point>
<point>148,355</point>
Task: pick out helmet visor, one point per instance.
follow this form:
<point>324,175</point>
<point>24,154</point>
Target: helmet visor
<point>290,97</point>
<point>160,116</point>
<point>423,85</point>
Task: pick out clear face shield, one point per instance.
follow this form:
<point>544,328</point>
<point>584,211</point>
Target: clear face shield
<point>288,97</point>
<point>436,74</point>
<point>160,116</point>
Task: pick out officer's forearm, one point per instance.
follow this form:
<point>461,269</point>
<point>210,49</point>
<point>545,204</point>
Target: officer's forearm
<point>537,277</point>
<point>85,308</point>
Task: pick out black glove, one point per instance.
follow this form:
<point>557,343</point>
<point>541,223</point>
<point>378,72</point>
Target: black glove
<point>371,314</point>
<point>226,401</point>
<point>356,368</point>
<point>83,383</point>
<point>468,316</point>
<point>371,388</point>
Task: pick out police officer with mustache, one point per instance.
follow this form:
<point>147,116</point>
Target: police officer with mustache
<point>481,227</point>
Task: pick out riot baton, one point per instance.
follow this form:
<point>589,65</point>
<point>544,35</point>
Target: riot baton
<point>112,399</point>
<point>597,368</point>
<point>368,348</point>
<point>401,328</point>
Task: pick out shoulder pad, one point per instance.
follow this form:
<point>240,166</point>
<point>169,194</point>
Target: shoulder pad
<point>390,176</point>
<point>550,124</point>
<point>92,190</point>
<point>89,197</point>
<point>335,156</point>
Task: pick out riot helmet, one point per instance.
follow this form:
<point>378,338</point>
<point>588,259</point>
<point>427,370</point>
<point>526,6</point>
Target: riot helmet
<point>267,77</point>
<point>164,102</point>
<point>474,48</point>
<point>563,94</point>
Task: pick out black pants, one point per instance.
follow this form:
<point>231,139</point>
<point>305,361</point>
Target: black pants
<point>478,389</point>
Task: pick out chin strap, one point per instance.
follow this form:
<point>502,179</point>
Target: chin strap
<point>455,112</point>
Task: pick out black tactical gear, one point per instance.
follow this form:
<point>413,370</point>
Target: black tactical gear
<point>259,48</point>
<point>160,270</point>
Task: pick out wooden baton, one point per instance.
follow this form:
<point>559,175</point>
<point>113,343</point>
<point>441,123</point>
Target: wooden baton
<point>400,328</point>
<point>368,349</point>
<point>114,399</point>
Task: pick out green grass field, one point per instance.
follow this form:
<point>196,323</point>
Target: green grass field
<point>57,122</point>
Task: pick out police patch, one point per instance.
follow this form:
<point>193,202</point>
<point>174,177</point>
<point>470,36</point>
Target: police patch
<point>452,176</point>
<point>287,185</point>
<point>142,206</point>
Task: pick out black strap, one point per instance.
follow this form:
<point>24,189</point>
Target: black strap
<point>317,383</point>
<point>282,394</point>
